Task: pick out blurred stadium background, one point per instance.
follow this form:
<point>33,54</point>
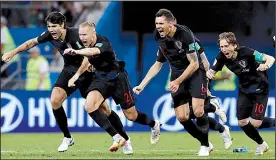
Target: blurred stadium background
<point>129,27</point>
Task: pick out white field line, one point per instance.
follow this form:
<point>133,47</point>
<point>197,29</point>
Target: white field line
<point>137,151</point>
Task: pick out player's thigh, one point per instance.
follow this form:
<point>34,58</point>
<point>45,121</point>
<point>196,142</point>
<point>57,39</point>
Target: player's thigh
<point>182,112</point>
<point>182,95</point>
<point>58,95</point>
<point>63,79</point>
<point>245,106</point>
<point>84,82</point>
<point>102,86</point>
<point>198,85</point>
<point>259,107</point>
<point>123,93</point>
<point>93,101</point>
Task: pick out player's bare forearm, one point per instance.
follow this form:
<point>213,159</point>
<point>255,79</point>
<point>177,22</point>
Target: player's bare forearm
<point>153,71</point>
<point>26,45</point>
<point>193,66</point>
<point>84,66</point>
<point>205,61</point>
<point>88,51</point>
<point>269,60</point>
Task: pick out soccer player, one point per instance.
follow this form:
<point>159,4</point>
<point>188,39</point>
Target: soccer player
<point>188,80</point>
<point>63,37</point>
<point>250,67</point>
<point>111,78</point>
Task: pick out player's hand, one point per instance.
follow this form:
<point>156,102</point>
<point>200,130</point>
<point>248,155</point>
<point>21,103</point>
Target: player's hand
<point>138,89</point>
<point>69,51</point>
<point>210,74</point>
<point>72,81</point>
<point>91,68</point>
<point>8,56</point>
<point>262,67</point>
<point>173,86</point>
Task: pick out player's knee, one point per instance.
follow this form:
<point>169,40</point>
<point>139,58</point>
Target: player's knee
<point>183,118</point>
<point>91,106</point>
<point>105,110</point>
<point>131,116</point>
<point>256,123</point>
<point>199,112</point>
<point>56,102</point>
<point>243,122</point>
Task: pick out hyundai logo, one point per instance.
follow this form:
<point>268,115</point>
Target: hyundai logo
<point>10,120</point>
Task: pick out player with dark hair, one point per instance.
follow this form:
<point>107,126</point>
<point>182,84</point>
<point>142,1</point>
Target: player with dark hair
<point>188,79</point>
<point>250,67</point>
<point>110,78</point>
<point>63,37</point>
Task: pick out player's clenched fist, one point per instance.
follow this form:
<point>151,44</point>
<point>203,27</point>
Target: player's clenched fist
<point>210,74</point>
<point>69,51</point>
<point>137,90</point>
<point>8,56</point>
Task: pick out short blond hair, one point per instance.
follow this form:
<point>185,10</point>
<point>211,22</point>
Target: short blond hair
<point>229,37</point>
<point>88,24</point>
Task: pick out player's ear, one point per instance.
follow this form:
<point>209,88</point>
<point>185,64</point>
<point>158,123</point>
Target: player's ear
<point>63,25</point>
<point>171,24</point>
<point>235,46</point>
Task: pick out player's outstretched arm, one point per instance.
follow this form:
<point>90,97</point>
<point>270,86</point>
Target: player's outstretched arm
<point>84,66</point>
<point>88,52</point>
<point>153,71</point>
<point>205,61</point>
<point>23,47</point>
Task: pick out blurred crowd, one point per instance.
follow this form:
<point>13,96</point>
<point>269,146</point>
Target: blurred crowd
<point>32,13</point>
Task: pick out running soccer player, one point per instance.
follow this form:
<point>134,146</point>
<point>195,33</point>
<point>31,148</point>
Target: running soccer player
<point>63,37</point>
<point>111,78</point>
<point>250,67</point>
<point>188,80</point>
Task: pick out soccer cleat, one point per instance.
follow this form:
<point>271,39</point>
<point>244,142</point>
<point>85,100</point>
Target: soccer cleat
<point>211,148</point>
<point>66,142</point>
<point>117,144</point>
<point>219,111</point>
<point>227,139</point>
<point>155,133</point>
<point>262,148</point>
<point>204,151</point>
<point>127,148</point>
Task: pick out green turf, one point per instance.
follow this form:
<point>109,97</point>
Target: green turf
<point>95,146</point>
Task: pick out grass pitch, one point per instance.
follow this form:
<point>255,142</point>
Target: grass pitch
<point>175,145</point>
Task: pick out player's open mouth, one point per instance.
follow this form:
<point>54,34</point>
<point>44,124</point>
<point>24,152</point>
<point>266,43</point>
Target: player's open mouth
<point>84,42</point>
<point>160,30</point>
<point>54,35</point>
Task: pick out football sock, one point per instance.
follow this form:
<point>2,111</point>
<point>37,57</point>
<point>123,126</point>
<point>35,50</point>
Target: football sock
<point>191,128</point>
<point>267,123</point>
<point>252,133</point>
<point>61,120</point>
<point>103,122</point>
<point>142,118</point>
<point>203,126</point>
<point>214,125</point>
<point>117,124</point>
